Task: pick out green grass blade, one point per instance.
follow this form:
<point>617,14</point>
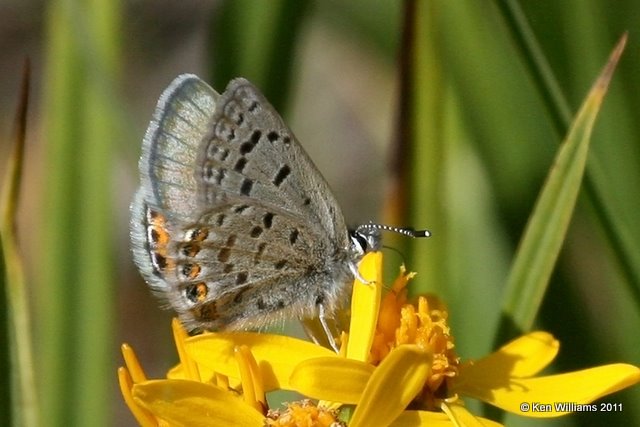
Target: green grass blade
<point>76,289</point>
<point>258,42</point>
<point>537,63</point>
<point>421,146</point>
<point>95,294</point>
<point>56,311</point>
<point>5,358</point>
<point>616,229</point>
<point>21,391</point>
<point>547,226</point>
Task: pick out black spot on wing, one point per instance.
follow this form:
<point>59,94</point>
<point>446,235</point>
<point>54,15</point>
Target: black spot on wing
<point>223,254</point>
<point>273,136</point>
<point>282,174</point>
<point>267,220</point>
<point>240,164</point>
<point>245,188</point>
<point>241,278</point>
<point>293,236</point>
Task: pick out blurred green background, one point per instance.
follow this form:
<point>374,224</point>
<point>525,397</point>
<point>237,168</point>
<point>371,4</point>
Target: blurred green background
<point>331,68</point>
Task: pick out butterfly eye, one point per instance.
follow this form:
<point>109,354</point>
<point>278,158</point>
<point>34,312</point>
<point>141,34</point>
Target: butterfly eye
<point>360,243</point>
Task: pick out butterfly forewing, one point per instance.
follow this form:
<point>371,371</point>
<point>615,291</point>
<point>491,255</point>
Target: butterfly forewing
<point>172,144</point>
<point>251,153</point>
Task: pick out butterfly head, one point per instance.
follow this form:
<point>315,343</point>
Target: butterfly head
<point>367,237</point>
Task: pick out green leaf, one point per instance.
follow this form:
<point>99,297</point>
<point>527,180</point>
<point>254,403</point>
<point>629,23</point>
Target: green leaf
<point>615,226</point>
<point>5,363</point>
<point>547,226</point>
<point>419,165</point>
<point>76,269</point>
<point>16,358</point>
<point>258,42</point>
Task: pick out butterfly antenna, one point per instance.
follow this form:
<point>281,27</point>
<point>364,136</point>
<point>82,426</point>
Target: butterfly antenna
<point>405,231</point>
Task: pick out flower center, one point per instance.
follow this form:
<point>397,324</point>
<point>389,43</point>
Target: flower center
<point>424,324</point>
<point>303,413</point>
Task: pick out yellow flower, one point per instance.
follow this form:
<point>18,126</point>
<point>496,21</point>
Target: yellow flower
<point>380,393</point>
<point>397,366</point>
<point>185,399</point>
<point>195,394</point>
<point>504,379</point>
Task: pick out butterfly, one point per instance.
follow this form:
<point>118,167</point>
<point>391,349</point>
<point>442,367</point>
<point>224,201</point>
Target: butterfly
<point>233,224</point>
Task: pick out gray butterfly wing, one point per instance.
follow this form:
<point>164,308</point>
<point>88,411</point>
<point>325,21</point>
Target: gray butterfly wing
<point>171,146</point>
<point>250,152</point>
<point>233,222</point>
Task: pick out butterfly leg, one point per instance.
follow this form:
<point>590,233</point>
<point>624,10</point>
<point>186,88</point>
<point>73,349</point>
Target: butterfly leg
<point>354,269</point>
<point>322,316</point>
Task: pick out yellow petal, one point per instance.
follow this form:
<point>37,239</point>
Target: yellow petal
<point>393,385</point>
<point>177,373</point>
<point>133,364</point>
<point>276,355</point>
<point>190,403</point>
<point>251,378</point>
<point>142,416</point>
<point>179,337</point>
<point>332,378</point>
<point>208,375</point>
<point>522,357</point>
<point>433,419</point>
<point>544,394</point>
<point>460,416</point>
<point>422,418</point>
<point>365,304</point>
